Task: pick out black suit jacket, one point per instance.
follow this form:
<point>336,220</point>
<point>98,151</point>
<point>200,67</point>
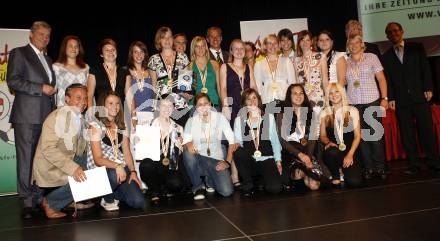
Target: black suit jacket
<point>372,48</point>
<point>224,53</point>
<point>407,81</point>
<point>25,77</point>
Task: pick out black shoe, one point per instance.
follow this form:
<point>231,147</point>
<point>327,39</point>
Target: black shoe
<point>382,174</point>
<point>248,193</point>
<point>412,170</point>
<point>368,174</point>
<point>434,168</point>
<point>26,213</point>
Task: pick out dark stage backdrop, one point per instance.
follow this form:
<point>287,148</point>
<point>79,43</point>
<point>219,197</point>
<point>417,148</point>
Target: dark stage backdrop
<point>127,21</point>
<point>132,22</point>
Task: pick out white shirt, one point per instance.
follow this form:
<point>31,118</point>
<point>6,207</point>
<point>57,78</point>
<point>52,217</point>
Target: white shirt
<point>214,52</point>
<point>197,132</point>
<point>333,70</point>
<point>39,53</point>
<point>274,89</point>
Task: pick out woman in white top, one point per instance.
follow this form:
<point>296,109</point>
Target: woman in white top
<point>204,154</point>
<point>287,45</point>
<point>69,67</point>
<point>336,62</point>
<point>273,74</point>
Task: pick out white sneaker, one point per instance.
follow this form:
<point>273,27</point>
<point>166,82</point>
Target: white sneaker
<point>210,189</point>
<point>198,195</point>
<point>114,206</point>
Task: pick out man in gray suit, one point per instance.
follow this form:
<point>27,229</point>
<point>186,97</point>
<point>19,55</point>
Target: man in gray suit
<point>31,78</point>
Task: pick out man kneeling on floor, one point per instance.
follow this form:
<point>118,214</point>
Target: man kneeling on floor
<point>60,148</point>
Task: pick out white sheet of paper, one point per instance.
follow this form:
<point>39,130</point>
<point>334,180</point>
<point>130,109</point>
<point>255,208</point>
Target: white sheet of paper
<point>148,145</point>
<point>96,185</point>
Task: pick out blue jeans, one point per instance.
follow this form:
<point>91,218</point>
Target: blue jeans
<point>131,194</point>
<point>62,196</point>
<point>198,165</point>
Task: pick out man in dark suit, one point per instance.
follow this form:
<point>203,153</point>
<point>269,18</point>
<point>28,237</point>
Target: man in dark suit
<point>31,78</point>
<point>410,89</point>
<point>214,38</point>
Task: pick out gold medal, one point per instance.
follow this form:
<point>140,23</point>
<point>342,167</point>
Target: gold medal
<point>204,90</point>
<point>274,87</point>
<point>357,83</point>
<point>165,161</point>
<point>303,141</point>
<point>342,147</point>
<point>257,153</point>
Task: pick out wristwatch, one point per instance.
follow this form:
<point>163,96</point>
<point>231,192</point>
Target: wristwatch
<point>385,98</point>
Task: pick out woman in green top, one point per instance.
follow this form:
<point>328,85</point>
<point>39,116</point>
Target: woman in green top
<point>205,70</point>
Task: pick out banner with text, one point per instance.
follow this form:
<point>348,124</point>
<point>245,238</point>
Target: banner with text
<point>420,20</point>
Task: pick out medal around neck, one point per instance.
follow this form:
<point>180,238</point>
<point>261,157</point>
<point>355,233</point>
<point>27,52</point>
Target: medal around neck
<point>342,147</point>
<point>303,141</point>
<point>257,154</point>
<point>165,161</point>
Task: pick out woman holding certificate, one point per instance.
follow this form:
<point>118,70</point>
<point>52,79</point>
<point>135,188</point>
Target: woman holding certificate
<point>340,134</point>
<point>165,176</point>
<point>259,153</point>
<point>110,147</point>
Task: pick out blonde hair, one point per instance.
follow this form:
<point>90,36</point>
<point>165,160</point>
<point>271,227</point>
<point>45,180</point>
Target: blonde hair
<point>328,112</point>
<point>231,56</point>
<point>352,38</point>
<point>263,48</point>
<point>192,52</point>
<point>159,35</point>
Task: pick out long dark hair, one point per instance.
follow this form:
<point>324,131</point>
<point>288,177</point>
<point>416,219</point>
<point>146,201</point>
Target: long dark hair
<point>330,53</point>
<point>62,57</point>
<point>288,100</point>
<point>143,47</point>
<point>306,103</point>
<point>119,119</point>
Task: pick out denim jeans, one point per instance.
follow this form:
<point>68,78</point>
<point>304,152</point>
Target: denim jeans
<point>198,165</point>
<point>131,194</point>
<point>62,196</point>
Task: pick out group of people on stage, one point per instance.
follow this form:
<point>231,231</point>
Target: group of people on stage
<point>294,114</point>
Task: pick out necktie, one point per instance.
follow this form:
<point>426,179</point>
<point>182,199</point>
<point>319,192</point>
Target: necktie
<point>219,59</point>
<point>399,52</point>
<point>45,65</point>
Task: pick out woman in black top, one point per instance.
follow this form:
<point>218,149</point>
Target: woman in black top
<point>293,129</point>
<point>340,133</point>
<point>108,75</point>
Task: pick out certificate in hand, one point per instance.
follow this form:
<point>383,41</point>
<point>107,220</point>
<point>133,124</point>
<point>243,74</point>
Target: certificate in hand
<point>96,185</point>
<point>148,142</point>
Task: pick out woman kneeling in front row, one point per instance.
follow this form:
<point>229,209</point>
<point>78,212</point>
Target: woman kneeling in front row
<point>203,154</point>
<point>260,151</point>
<point>341,144</point>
